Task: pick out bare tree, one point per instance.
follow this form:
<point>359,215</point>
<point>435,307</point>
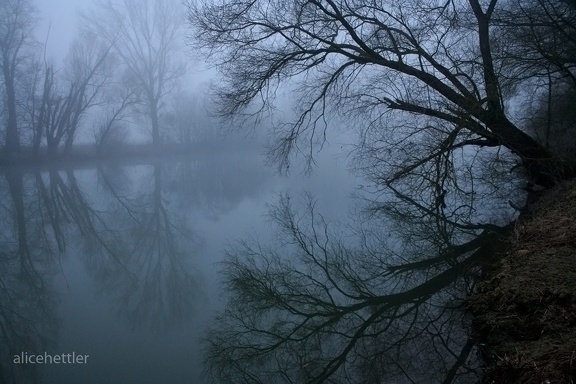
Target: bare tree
<point>430,69</point>
<point>431,85</point>
<point>539,50</point>
<point>145,36</point>
<point>17,19</point>
<point>112,128</point>
<point>44,105</point>
<point>539,38</point>
<point>60,112</point>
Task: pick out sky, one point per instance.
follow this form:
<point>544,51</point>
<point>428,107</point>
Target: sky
<point>60,18</point>
<point>60,23</point>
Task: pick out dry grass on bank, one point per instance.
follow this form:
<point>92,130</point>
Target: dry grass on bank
<point>526,309</point>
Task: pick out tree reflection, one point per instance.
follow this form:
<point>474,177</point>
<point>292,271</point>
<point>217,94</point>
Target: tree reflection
<point>350,307</point>
<point>145,260</point>
<point>27,319</point>
<point>134,247</point>
<point>131,225</point>
<point>148,270</point>
<point>217,184</point>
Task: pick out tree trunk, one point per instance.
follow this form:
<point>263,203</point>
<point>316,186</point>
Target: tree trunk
<point>12,139</point>
<point>543,167</point>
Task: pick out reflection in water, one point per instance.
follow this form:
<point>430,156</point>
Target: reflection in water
<point>376,301</point>
<point>137,242</point>
<point>27,319</point>
<point>356,306</point>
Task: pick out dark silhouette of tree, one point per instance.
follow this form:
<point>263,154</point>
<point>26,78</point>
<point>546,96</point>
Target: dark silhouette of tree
<point>431,87</point>
<point>538,38</point>
<point>538,44</point>
<point>415,70</point>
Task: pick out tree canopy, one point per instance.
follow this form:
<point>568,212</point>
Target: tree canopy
<point>441,67</point>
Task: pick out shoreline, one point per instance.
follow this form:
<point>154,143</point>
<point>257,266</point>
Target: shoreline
<point>89,154</point>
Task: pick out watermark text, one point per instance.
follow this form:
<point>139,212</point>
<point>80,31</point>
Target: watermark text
<point>46,358</point>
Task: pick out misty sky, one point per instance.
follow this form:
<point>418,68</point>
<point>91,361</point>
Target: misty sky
<point>60,21</point>
<point>63,17</point>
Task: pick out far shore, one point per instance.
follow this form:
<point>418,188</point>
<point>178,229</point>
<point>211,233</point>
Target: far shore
<point>88,154</point>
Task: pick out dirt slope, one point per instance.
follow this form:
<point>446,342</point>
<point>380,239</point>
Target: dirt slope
<point>526,308</point>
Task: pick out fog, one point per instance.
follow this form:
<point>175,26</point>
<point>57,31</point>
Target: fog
<point>266,191</point>
<point>121,257</point>
<point>59,23</point>
<point>58,26</point>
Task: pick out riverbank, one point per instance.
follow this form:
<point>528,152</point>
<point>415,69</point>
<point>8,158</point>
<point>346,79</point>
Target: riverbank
<point>525,310</point>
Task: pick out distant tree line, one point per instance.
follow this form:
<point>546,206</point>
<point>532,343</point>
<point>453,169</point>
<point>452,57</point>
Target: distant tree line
<point>123,65</point>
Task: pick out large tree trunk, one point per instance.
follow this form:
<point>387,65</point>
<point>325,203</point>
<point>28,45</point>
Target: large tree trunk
<point>542,166</point>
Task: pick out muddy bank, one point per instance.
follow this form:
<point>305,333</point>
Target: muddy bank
<point>525,310</point>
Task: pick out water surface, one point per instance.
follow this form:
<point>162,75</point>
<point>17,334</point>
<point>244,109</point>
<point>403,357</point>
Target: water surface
<point>120,261</point>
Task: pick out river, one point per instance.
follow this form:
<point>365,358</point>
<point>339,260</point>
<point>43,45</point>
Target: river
<point>119,262</point>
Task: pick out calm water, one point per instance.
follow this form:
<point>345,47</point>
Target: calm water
<point>120,261</point>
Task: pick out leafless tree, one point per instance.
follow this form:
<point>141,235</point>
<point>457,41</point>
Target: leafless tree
<point>112,128</point>
<point>538,38</point>
<point>145,36</point>
<point>539,49</point>
<point>414,70</point>
<point>60,112</point>
<point>17,20</point>
<point>430,86</point>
